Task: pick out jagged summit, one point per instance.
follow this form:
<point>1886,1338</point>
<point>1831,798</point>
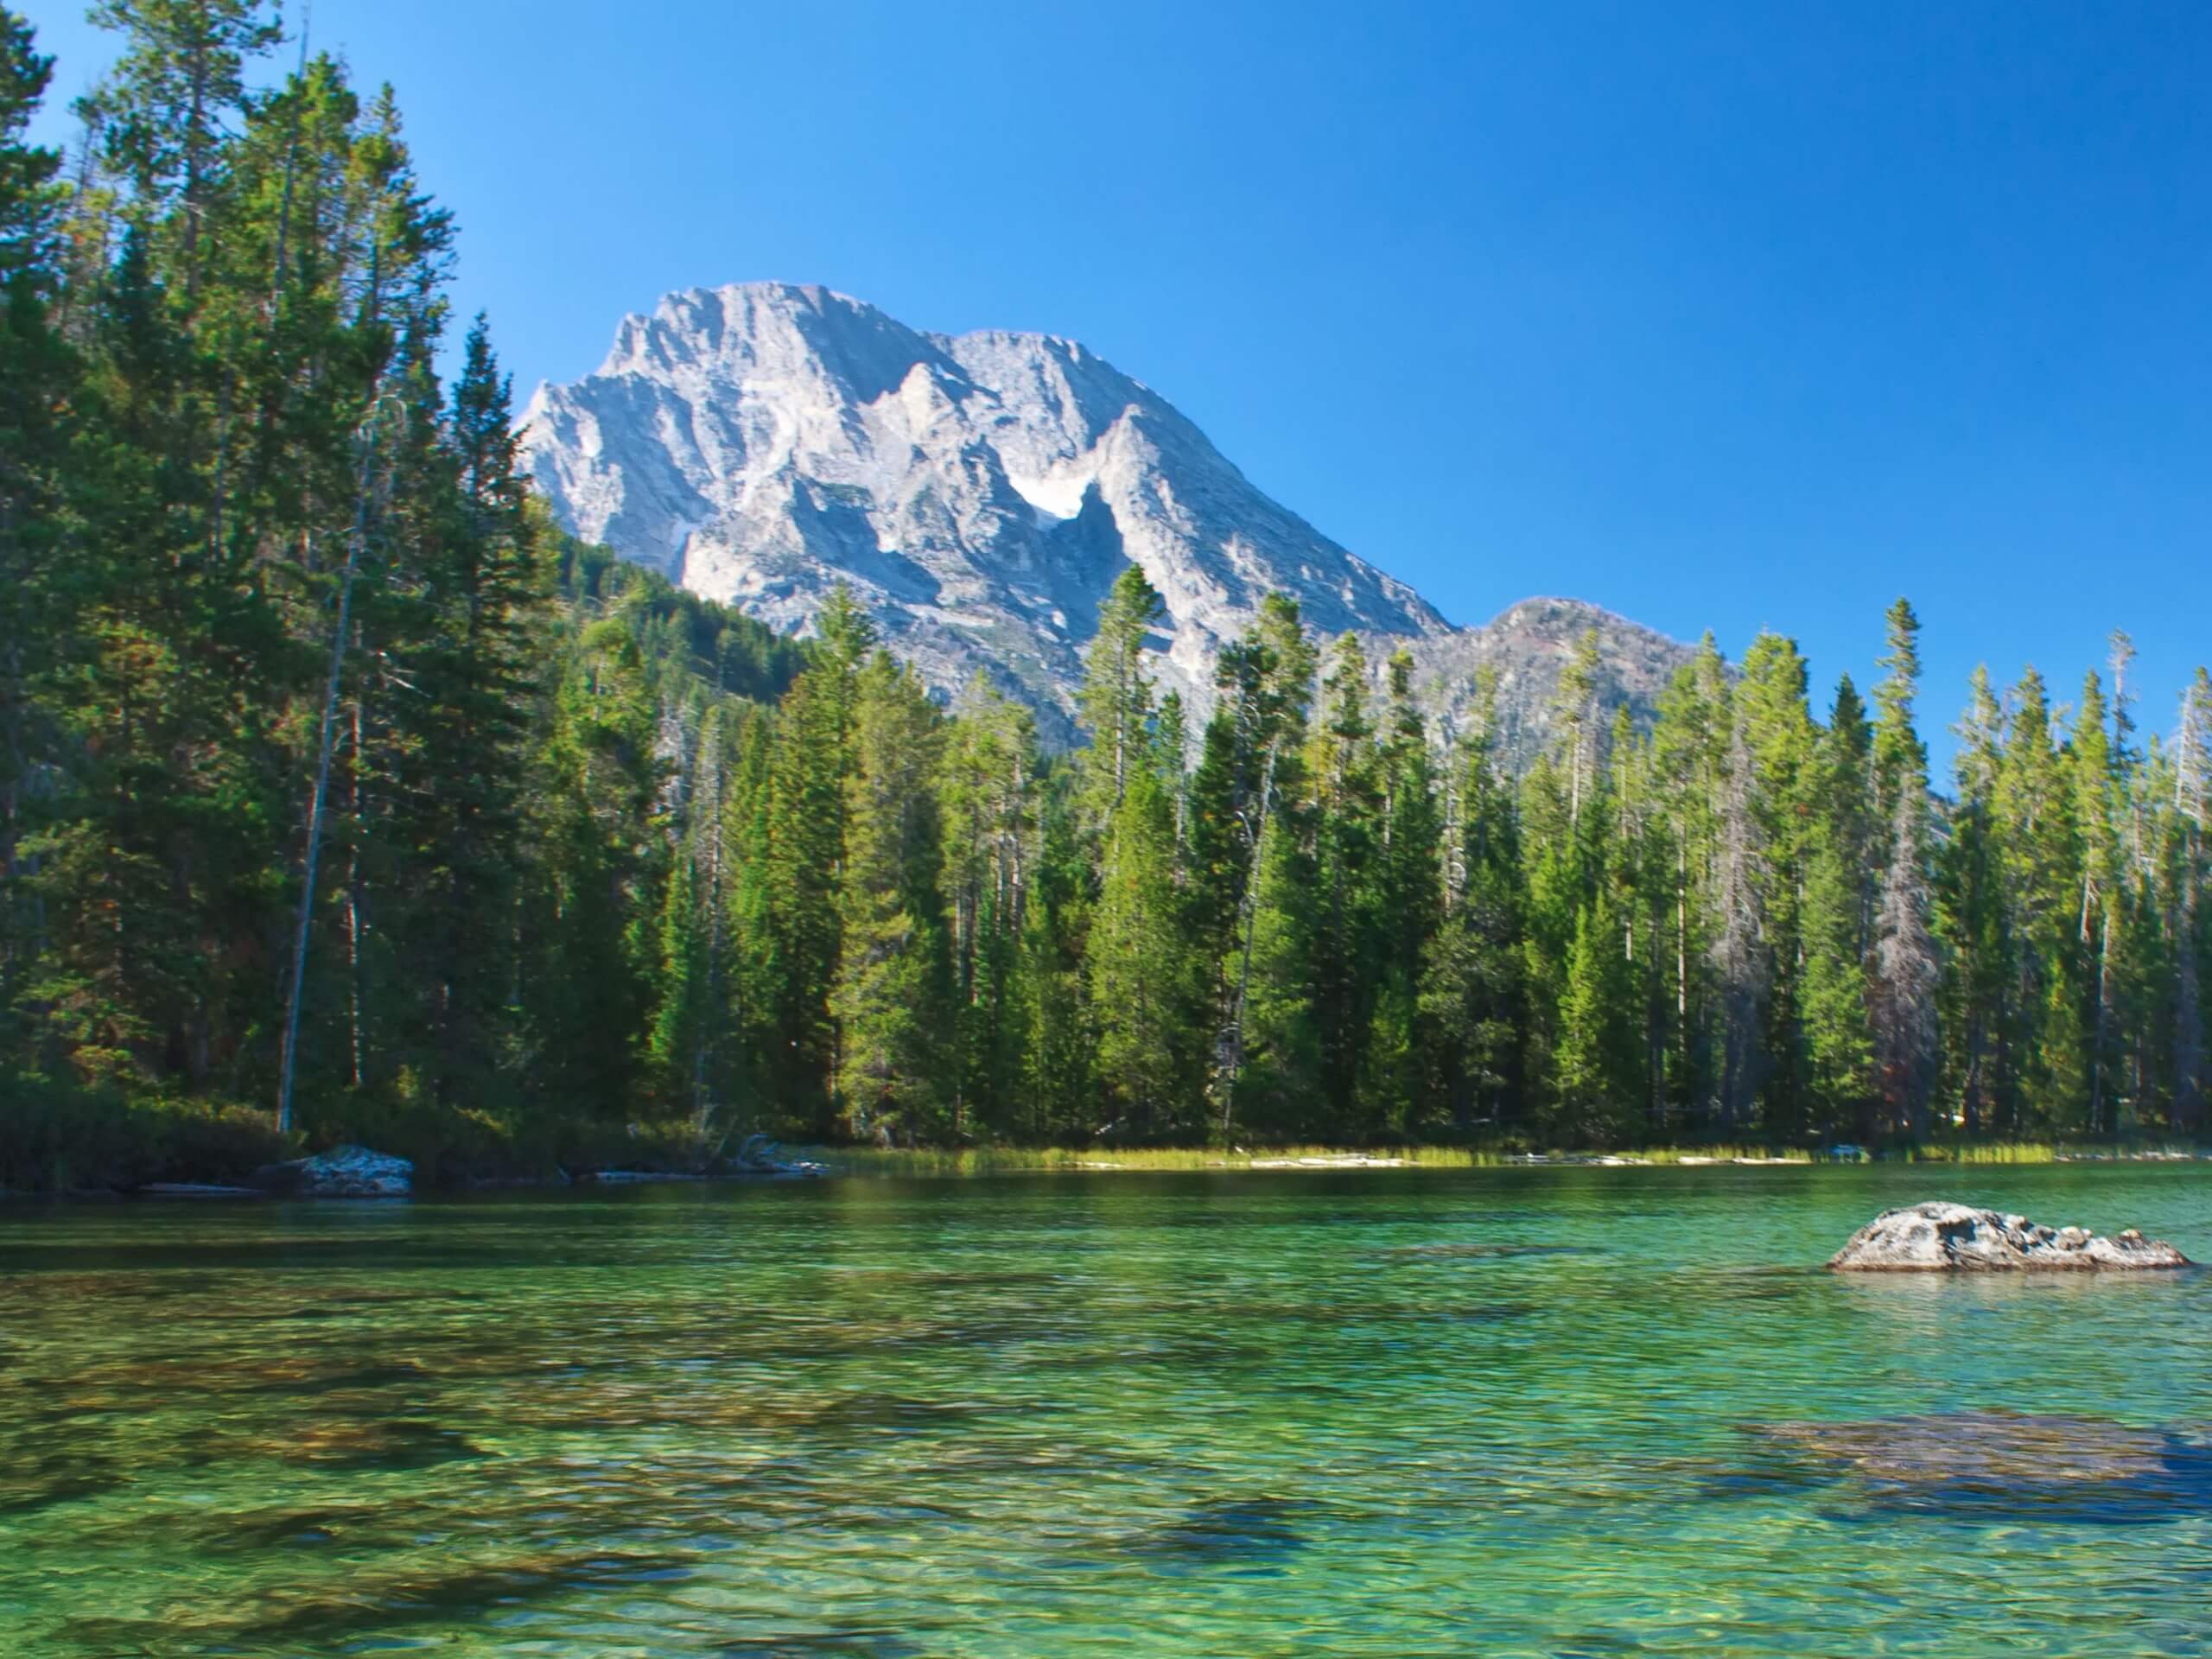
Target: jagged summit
<point>761,441</point>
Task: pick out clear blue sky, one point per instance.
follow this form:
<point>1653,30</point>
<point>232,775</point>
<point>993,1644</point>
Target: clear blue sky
<point>1722,315</point>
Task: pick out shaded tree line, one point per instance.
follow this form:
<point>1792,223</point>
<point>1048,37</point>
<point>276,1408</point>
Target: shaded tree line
<point>312,723</point>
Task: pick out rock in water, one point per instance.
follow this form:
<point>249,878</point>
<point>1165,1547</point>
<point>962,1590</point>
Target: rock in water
<point>355,1173</point>
<point>1997,1448</point>
<point>1936,1238</point>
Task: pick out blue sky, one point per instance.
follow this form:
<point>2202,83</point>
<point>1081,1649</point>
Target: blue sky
<point>1723,315</point>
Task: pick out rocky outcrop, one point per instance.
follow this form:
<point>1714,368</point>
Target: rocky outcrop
<point>760,1155</point>
<point>1955,1237</point>
<point>1529,646</point>
<point>341,1173</point>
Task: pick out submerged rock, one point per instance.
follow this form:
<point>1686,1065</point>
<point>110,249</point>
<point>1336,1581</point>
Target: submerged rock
<point>2001,1448</point>
<point>1936,1238</point>
<point>2020,1465</point>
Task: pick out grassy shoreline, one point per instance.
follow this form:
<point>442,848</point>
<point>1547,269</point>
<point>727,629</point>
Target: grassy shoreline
<point>990,1161</point>
<point>89,1144</point>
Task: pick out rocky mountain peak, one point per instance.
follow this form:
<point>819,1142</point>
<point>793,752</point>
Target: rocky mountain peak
<point>761,441</point>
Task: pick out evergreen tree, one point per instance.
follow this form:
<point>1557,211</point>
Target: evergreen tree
<point>1689,744</point>
<point>1250,779</point>
<point>2094,780</point>
<point>1588,1070</point>
<point>1402,1067</point>
<point>2192,818</point>
<point>1783,799</point>
<point>988,808</point>
<point>1472,985</point>
<point>1347,820</point>
<point>163,111</point>
<point>1054,1013</point>
<point>1739,958</point>
<point>35,377</point>
<point>1974,920</point>
<point>1143,986</point>
<point>1116,697</point>
<point>1904,975</point>
<point>2040,863</point>
<point>890,995</point>
<point>1834,920</point>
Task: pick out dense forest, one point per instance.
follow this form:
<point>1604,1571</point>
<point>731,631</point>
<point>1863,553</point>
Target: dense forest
<point>339,792</point>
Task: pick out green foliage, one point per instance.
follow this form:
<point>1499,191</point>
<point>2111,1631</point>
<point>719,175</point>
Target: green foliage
<point>891,995</point>
<point>606,871</point>
<point>56,1137</point>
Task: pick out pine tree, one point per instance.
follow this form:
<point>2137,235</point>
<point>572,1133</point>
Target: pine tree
<point>891,995</point>
<point>1739,958</point>
<point>1899,755</point>
<point>1905,977</point>
<point>1689,743</point>
<point>589,914</point>
<point>1251,775</point>
<point>1116,697</point>
<point>2193,818</point>
<point>1400,1068</point>
<point>1054,1014</point>
<point>1974,919</point>
<point>2040,861</point>
<point>1143,986</point>
<point>1348,827</point>
<point>807,801</point>
<point>35,375</point>
<point>486,579</point>
<point>1471,991</point>
<point>1834,925</point>
<point>1783,797</point>
<point>1589,1067</point>
<point>2093,775</point>
<point>162,110</point>
<point>1905,972</point>
<point>989,811</point>
<point>1575,703</point>
<point>1280,1087</point>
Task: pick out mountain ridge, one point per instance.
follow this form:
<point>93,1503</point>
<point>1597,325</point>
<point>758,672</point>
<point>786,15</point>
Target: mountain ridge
<point>758,443</point>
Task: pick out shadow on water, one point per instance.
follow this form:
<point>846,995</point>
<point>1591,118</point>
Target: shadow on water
<point>377,1443</point>
<point>1483,1252</point>
<point>836,1644</point>
<point>1247,1535</point>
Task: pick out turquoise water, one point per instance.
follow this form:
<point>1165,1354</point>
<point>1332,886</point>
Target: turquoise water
<point>1480,1412</point>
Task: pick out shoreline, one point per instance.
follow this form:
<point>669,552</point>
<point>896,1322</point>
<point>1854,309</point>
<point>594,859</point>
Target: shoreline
<point>832,1163</point>
<point>1013,1160</point>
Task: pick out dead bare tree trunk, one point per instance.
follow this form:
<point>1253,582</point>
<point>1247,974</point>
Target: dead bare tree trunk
<point>1906,973</point>
<point>288,1065</point>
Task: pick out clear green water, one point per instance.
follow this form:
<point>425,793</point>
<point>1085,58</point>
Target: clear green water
<point>1483,1412</point>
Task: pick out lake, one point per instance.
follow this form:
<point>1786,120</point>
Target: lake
<point>1493,1412</point>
